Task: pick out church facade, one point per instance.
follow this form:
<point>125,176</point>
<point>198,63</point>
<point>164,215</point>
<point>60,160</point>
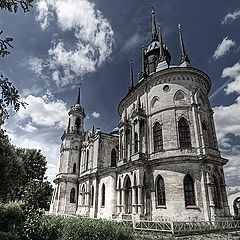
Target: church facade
<point>162,162</point>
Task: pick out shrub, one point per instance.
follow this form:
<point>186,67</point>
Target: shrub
<point>11,217</point>
<point>92,229</point>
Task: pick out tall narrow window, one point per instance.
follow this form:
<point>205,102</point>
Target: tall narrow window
<point>77,125</point>
<point>189,191</point>
<point>184,133</point>
<point>74,168</point>
<point>103,195</point>
<point>135,142</point>
<point>83,195</point>
<point>160,191</point>
<point>87,160</point>
<point>113,158</point>
<point>157,137</point>
<point>216,191</point>
<point>92,196</point>
<point>72,196</point>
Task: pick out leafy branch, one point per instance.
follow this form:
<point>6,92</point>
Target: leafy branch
<point>12,5</point>
<point>4,44</point>
<point>9,96</point>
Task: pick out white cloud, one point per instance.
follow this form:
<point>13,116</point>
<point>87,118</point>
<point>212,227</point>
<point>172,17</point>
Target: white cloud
<point>36,65</point>
<point>44,112</point>
<point>96,115</point>
<point>230,17</point>
<point>233,73</point>
<point>52,171</point>
<point>28,128</point>
<point>227,119</point>
<point>92,31</point>
<point>223,47</point>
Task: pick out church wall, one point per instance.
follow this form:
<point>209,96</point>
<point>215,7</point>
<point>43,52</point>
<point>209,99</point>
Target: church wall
<point>109,208</point>
<point>175,209</point>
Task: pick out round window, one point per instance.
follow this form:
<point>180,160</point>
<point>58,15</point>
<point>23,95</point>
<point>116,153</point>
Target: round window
<point>166,88</point>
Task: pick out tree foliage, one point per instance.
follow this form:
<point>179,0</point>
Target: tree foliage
<point>11,169</point>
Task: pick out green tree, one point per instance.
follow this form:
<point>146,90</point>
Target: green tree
<point>35,164</point>
<point>11,169</point>
<point>9,94</point>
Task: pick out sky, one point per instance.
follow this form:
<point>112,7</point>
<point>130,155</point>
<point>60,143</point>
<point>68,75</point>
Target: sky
<point>60,43</point>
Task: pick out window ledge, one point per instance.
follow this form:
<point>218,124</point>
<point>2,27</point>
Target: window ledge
<point>192,207</point>
<point>162,206</point>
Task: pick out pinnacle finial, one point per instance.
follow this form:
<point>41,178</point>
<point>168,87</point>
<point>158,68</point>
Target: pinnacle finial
<point>143,63</point>
<point>154,29</point>
<point>131,76</point>
<point>184,57</point>
<point>161,54</point>
<point>78,98</point>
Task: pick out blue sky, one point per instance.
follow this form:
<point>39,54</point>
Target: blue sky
<point>59,43</point>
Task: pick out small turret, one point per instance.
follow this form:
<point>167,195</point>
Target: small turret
<point>154,29</point>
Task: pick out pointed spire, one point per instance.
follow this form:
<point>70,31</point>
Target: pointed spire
<point>78,98</point>
<point>162,56</point>
<point>184,57</point>
<point>143,63</point>
<point>131,76</point>
<point>154,29</point>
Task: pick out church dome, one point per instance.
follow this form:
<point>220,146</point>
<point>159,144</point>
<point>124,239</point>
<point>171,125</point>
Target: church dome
<point>115,131</point>
<point>154,45</point>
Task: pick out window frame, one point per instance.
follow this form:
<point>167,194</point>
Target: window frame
<point>157,137</point>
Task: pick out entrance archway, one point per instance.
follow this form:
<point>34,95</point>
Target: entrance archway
<point>128,195</point>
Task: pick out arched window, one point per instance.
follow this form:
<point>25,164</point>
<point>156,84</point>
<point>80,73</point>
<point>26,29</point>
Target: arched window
<point>160,191</point>
<point>189,191</point>
<point>128,195</point>
<point>184,133</point>
<point>92,196</point>
<point>157,137</point>
<point>128,143</point>
<point>74,168</point>
<point>217,192</point>
<point>236,206</point>
<point>77,125</point>
<point>113,158</point>
<point>135,142</point>
<point>103,195</point>
<point>72,196</point>
<point>83,195</point>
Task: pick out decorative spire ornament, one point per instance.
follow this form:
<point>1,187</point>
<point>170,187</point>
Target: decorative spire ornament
<point>143,63</point>
<point>184,56</point>
<point>154,29</point>
<point>131,77</point>
<point>78,98</point>
<point>162,56</point>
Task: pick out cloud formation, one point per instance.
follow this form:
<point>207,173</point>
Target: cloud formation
<point>44,112</point>
<point>230,17</point>
<point>234,74</point>
<point>223,47</point>
<point>96,115</point>
<point>28,128</point>
<point>92,31</point>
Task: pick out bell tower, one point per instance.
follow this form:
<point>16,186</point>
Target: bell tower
<point>64,198</point>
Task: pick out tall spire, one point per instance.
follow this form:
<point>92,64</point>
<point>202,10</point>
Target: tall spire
<point>162,56</point>
<point>143,63</point>
<point>131,76</point>
<point>78,98</point>
<point>184,56</point>
<point>154,29</point>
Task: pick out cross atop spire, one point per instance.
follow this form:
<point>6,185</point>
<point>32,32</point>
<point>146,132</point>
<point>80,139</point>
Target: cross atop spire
<point>154,29</point>
<point>78,98</point>
<point>184,56</point>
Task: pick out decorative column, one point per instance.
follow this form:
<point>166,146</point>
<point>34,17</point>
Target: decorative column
<point>134,211</point>
<point>140,200</point>
<point>133,138</point>
<point>118,201</point>
<point>210,194</point>
<point>123,200</point>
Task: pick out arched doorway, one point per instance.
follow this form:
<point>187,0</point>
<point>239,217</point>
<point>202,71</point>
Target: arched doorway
<point>128,195</point>
<point>236,206</point>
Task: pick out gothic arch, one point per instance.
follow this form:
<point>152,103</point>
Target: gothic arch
<point>160,191</point>
<point>73,195</point>
<point>83,194</point>
<point>217,189</point>
<point>113,158</point>
<point>179,96</point>
<point>77,124</point>
<point>184,133</point>
<point>103,200</point>
<point>189,191</point>
<point>155,101</point>
<point>92,195</point>
<point>157,137</point>
<point>128,194</point>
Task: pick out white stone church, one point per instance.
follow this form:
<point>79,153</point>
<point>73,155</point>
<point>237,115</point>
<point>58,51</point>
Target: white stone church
<point>161,163</point>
